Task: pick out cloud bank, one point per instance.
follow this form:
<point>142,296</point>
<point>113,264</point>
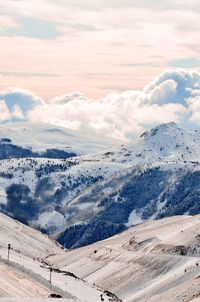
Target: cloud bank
<point>172,96</point>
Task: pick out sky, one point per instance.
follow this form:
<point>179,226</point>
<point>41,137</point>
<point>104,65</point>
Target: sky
<point>54,47</point>
<point>114,67</point>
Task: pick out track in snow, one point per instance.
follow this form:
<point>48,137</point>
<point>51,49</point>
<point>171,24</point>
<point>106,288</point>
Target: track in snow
<point>18,285</point>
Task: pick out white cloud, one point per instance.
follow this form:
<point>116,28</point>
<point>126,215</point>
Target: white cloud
<point>123,115</point>
<point>174,86</point>
<point>4,111</point>
<point>7,115</point>
<point>17,112</point>
<point>172,96</point>
<point>15,104</point>
<point>66,98</point>
<point>23,99</point>
<point>194,106</point>
<point>163,92</point>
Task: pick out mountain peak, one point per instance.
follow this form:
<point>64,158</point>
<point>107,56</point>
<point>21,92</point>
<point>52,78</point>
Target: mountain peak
<point>165,142</point>
<point>162,128</point>
<point>168,125</point>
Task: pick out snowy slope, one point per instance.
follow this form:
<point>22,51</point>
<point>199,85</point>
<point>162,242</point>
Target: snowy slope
<point>131,196</point>
<point>40,137</point>
<point>42,188</point>
<point>102,192</point>
<point>155,261</point>
<point>26,275</point>
<point>166,142</point>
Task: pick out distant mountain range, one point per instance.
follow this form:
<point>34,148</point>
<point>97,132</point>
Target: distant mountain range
<point>81,189</point>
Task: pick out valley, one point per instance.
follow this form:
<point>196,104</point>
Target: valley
<point>155,261</point>
<point>93,194</point>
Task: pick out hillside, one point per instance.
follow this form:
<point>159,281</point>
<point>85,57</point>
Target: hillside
<point>26,275</point>
<point>164,143</point>
<point>44,140</point>
<point>155,261</point>
<point>82,199</point>
<point>162,180</point>
<point>38,191</point>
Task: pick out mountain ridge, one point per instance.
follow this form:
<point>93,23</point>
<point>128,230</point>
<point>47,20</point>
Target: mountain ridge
<point>104,193</point>
<point>164,142</point>
<point>38,138</point>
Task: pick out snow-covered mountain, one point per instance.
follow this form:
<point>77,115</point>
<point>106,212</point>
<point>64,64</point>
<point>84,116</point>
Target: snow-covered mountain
<point>163,179</point>
<point>164,143</point>
<point>27,273</point>
<point>37,191</point>
<point>82,199</point>
<point>132,196</point>
<point>43,140</point>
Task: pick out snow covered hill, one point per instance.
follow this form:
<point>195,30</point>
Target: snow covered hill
<point>82,199</point>
<point>156,261</point>
<point>27,274</point>
<point>164,180</point>
<point>38,192</point>
<point>133,196</point>
<point>43,140</point>
<point>166,142</point>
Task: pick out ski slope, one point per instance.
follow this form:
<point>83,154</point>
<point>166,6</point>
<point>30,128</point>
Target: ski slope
<point>17,284</point>
<point>27,274</point>
<point>156,261</point>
